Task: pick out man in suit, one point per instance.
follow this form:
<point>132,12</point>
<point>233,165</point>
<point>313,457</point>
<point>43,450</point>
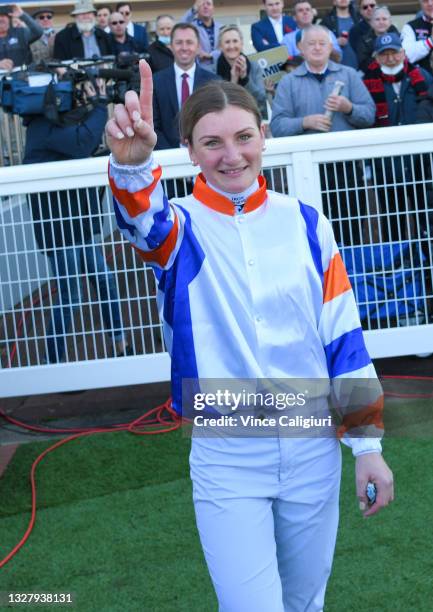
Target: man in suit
<point>83,39</point>
<point>137,31</point>
<point>173,84</point>
<point>268,32</point>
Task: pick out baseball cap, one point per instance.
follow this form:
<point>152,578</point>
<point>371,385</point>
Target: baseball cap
<point>389,40</point>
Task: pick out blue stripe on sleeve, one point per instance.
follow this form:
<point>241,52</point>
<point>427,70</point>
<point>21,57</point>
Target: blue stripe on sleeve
<point>161,227</point>
<point>347,353</point>
<point>311,217</point>
<point>174,282</point>
<point>122,224</point>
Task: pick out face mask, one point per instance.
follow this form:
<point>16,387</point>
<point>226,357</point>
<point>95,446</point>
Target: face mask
<point>164,39</point>
<point>392,71</point>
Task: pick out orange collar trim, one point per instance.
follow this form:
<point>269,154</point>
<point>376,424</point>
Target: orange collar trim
<point>216,201</point>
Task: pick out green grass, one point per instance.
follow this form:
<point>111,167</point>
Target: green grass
<point>116,527</point>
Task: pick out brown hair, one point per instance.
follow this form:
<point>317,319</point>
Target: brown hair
<point>184,25</point>
<point>214,97</point>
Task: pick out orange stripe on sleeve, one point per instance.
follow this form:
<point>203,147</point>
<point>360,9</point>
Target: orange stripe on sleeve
<point>336,280</point>
<point>365,417</point>
<point>138,202</point>
<point>162,254</point>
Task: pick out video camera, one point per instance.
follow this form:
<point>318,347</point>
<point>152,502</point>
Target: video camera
<point>59,86</point>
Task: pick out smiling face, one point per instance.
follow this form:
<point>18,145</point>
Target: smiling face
<point>380,22</point>
<point>228,146</point>
<point>185,47</point>
<point>231,45</point>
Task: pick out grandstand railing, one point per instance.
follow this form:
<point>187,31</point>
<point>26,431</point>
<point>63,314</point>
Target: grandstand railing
<point>375,184</point>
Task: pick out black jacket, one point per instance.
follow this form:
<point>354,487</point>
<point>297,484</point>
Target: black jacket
<point>64,218</point>
<point>131,45</point>
<point>68,43</point>
<point>330,20</point>
<point>358,30</point>
<point>161,56</point>
<point>422,29</point>
<point>365,48</point>
<point>425,108</point>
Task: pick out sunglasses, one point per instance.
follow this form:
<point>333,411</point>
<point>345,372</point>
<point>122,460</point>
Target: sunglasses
<point>367,6</point>
<point>116,22</point>
<point>41,17</point>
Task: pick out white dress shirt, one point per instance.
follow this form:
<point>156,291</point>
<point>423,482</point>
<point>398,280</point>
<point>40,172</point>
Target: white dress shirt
<point>277,24</point>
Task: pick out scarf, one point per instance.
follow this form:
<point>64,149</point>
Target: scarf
<point>375,80</point>
<point>224,68</point>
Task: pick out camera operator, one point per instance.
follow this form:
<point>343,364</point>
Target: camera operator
<point>15,42</point>
<point>83,39</point>
<point>67,222</point>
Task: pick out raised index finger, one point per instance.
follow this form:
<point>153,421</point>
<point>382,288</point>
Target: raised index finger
<point>146,92</point>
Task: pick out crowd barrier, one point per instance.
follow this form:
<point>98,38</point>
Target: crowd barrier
<point>375,185</point>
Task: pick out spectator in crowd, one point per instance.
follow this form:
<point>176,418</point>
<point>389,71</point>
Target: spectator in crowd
<point>83,39</point>
<point>120,40</point>
<point>231,64</point>
<point>269,31</point>
<point>66,222</point>
<point>366,8</point>
<point>304,95</point>
<point>397,88</point>
<point>173,85</point>
<point>202,16</point>
<point>304,16</point>
<point>15,42</point>
<point>417,37</point>
<point>102,17</point>
<point>340,21</point>
<point>395,85</point>
<point>306,103</point>
<point>380,24</point>
<point>161,56</point>
<point>135,30</point>
<point>43,48</point>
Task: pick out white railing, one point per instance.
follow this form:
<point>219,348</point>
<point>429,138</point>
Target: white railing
<point>306,166</point>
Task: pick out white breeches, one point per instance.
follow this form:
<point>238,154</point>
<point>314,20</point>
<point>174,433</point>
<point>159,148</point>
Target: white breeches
<point>267,515</point>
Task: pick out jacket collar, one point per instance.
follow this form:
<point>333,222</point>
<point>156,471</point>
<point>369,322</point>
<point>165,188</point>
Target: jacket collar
<point>216,201</point>
<point>302,69</point>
